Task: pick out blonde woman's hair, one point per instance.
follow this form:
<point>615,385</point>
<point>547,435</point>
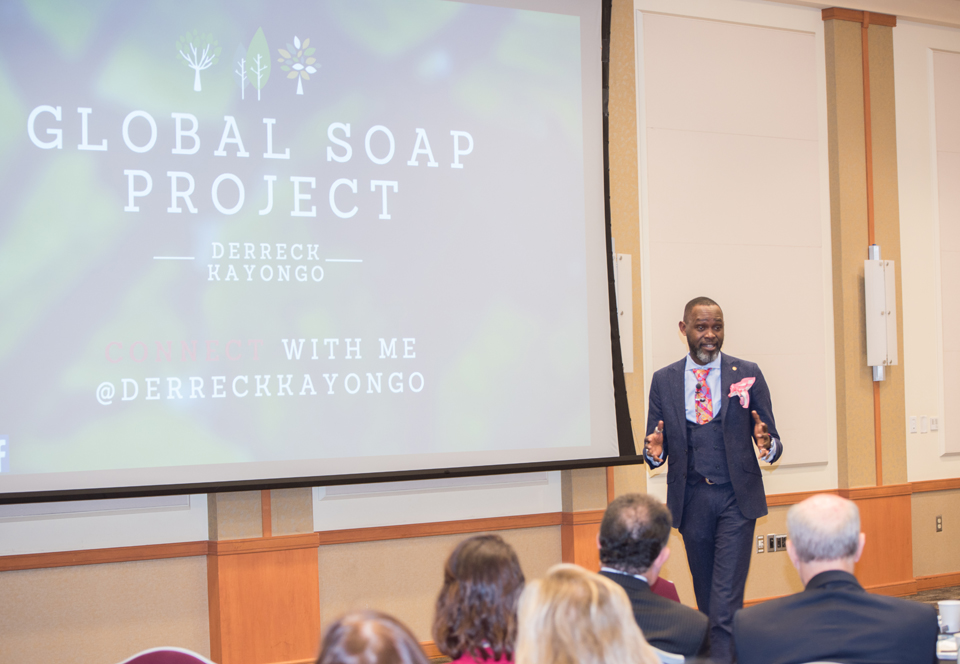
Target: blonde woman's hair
<point>573,616</point>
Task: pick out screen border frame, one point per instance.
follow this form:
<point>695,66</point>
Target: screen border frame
<point>627,447</point>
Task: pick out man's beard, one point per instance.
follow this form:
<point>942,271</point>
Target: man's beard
<point>704,357</point>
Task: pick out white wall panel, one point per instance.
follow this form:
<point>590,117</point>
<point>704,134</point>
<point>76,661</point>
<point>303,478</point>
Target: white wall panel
<point>106,524</point>
<point>946,88</point>
<point>427,501</point>
<point>735,205</point>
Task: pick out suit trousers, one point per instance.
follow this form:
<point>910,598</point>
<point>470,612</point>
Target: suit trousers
<point>718,540</point>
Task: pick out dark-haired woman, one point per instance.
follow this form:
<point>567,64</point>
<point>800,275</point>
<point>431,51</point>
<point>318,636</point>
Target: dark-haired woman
<point>369,637</point>
<point>476,619</point>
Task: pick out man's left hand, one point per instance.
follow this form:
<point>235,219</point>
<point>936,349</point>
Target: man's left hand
<point>761,435</point>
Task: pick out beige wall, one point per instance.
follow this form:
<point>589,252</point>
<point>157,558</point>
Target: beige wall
<point>97,614</point>
<point>771,574</point>
<point>403,577</point>
<point>933,552</point>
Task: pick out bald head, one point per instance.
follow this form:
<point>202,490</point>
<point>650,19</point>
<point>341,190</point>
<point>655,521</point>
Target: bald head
<point>824,527</point>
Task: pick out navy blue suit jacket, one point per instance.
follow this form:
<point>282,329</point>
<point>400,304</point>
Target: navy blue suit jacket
<point>836,620</point>
<point>667,404</point>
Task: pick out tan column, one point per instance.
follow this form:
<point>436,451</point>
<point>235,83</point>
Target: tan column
<point>849,196</point>
<point>625,211</point>
<point>864,206</point>
<point>584,498</point>
<point>262,577</point>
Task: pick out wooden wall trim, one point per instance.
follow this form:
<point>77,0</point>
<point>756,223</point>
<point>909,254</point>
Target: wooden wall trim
<point>781,499</point>
<point>934,581</point>
<point>264,544</point>
<point>936,485</point>
<point>463,527</point>
<point>898,589</point>
<point>863,493</point>
<point>213,608</point>
<point>581,518</point>
<point>354,535</point>
<point>856,16</point>
<point>122,554</point>
<point>886,491</point>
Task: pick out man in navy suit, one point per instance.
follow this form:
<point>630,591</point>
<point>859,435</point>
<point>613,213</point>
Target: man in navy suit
<point>834,618</point>
<point>706,411</point>
<point>633,547</point>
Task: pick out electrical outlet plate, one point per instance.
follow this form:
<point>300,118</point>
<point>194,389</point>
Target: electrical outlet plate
<point>934,424</point>
<point>759,543</point>
<point>939,524</point>
<point>913,424</point>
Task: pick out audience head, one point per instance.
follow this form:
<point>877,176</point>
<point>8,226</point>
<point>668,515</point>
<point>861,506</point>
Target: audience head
<point>477,606</point>
<point>573,616</point>
<point>369,637</point>
<point>634,534</point>
<point>824,534</point>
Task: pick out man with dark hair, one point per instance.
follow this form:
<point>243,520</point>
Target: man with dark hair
<point>706,412</point>
<point>633,547</point>
<point>834,619</point>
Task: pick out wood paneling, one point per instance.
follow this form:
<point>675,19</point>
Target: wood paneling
<point>781,499</point>
<point>858,16</point>
<point>894,589</point>
<point>888,554</point>
<point>264,604</point>
<point>891,590</point>
<point>578,538</point>
<point>121,554</point>
<point>934,581</point>
<point>936,485</point>
<point>262,545</point>
<point>213,608</point>
<point>440,528</point>
<point>865,492</point>
<point>582,518</point>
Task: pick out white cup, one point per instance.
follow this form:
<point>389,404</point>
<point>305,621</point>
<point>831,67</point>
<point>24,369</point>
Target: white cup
<point>950,615</point>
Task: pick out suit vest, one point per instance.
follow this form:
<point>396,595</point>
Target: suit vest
<point>706,452</point>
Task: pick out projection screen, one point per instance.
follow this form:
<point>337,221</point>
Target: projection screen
<point>253,242</point>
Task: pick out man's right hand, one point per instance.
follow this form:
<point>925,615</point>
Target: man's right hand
<point>653,444</point>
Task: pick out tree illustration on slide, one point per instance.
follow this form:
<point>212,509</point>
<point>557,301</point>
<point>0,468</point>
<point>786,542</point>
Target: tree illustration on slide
<point>258,61</point>
<point>198,52</point>
<point>240,69</point>
<point>297,60</point>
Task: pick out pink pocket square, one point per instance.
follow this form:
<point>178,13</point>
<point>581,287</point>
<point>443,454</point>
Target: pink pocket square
<point>742,390</point>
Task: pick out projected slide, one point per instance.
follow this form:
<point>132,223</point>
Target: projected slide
<point>254,240</point>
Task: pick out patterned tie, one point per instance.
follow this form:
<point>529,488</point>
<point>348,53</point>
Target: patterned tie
<point>703,402</point>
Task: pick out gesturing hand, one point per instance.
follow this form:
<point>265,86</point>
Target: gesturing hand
<point>761,435</point>
<point>653,444</point>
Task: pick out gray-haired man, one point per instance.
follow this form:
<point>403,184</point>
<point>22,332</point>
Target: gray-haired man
<point>834,619</point>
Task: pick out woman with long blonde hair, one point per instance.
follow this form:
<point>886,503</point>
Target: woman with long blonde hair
<point>573,616</point>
